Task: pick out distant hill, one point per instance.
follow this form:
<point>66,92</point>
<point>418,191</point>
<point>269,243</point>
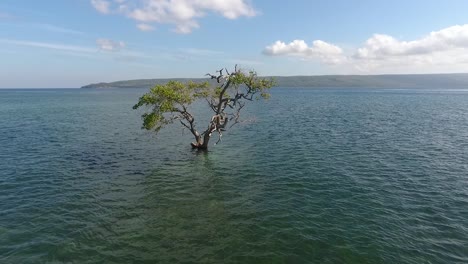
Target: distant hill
<point>454,80</point>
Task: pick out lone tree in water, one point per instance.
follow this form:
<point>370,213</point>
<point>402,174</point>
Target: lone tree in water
<point>170,102</point>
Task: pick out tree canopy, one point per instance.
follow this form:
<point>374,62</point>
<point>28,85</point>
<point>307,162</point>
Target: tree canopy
<point>169,103</point>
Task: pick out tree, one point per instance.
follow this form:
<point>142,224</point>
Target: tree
<point>170,102</point>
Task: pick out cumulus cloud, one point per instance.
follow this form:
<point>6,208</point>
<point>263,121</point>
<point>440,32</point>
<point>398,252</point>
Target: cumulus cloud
<point>322,50</point>
<point>110,45</point>
<point>443,51</point>
<point>183,14</point>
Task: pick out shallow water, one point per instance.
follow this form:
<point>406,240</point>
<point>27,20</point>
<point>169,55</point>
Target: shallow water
<point>316,175</point>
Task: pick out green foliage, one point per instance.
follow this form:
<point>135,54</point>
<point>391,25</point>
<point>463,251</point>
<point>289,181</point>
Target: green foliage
<point>164,99</point>
<point>254,84</point>
<point>169,95</point>
<point>152,120</point>
<point>169,102</point>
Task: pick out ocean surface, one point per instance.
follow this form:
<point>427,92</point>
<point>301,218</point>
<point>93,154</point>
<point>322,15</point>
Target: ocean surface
<point>312,176</point>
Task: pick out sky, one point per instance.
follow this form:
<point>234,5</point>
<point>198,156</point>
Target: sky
<point>68,44</point>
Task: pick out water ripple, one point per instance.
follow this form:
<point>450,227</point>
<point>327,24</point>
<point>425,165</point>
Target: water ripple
<point>326,176</point>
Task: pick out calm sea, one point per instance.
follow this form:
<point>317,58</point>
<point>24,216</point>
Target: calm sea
<point>313,176</point>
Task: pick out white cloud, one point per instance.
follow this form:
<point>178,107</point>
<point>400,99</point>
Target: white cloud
<point>103,6</point>
<point>110,45</point>
<point>84,51</point>
<point>322,50</point>
<point>183,14</point>
<point>383,46</point>
<point>58,29</point>
<point>445,50</point>
<point>145,27</point>
<point>54,46</point>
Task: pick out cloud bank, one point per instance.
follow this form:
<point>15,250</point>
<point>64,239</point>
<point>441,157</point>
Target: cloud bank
<point>446,48</point>
<point>183,14</point>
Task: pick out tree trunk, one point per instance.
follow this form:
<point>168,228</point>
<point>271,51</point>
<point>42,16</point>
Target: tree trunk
<point>198,139</point>
<point>206,140</point>
<point>202,144</point>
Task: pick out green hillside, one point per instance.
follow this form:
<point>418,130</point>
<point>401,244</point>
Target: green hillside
<point>455,80</point>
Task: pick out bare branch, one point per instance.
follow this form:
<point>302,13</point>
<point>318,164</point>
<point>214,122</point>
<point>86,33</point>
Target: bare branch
<point>185,125</point>
<point>211,105</point>
<point>211,76</point>
<point>219,138</point>
<point>237,114</point>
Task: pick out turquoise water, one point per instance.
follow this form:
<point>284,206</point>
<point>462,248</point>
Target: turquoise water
<point>314,176</point>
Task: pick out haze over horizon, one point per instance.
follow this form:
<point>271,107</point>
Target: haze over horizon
<point>54,43</point>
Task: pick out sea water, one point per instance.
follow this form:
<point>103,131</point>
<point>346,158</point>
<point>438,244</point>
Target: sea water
<point>311,176</point>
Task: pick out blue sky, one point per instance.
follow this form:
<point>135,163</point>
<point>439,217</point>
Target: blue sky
<point>57,43</point>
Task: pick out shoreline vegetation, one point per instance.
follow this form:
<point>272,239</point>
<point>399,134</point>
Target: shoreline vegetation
<point>449,80</point>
